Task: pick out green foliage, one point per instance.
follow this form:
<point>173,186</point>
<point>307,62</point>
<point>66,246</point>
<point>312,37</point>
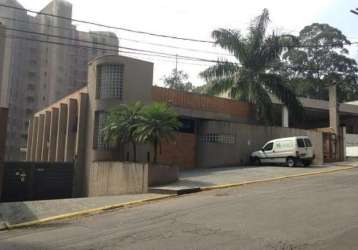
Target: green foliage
<point>312,67</point>
<point>136,123</point>
<point>252,79</point>
<point>158,122</point>
<point>178,80</point>
<point>121,124</point>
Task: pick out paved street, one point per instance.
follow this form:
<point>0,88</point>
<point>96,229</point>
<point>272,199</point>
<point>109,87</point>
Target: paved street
<point>207,177</point>
<point>316,212</point>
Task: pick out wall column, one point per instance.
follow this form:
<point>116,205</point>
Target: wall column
<point>61,133</point>
<point>46,136</point>
<point>39,137</point>
<point>80,150</point>
<point>29,140</point>
<point>71,130</point>
<point>34,138</point>
<point>285,117</point>
<point>53,135</point>
<point>333,109</point>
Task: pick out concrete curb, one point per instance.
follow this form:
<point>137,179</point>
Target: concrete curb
<point>144,201</point>
<point>83,212</point>
<point>275,179</point>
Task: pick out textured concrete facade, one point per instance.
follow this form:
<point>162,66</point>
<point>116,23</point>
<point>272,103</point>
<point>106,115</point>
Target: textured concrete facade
<point>3,125</point>
<point>115,178</point>
<point>37,73</point>
<point>247,138</point>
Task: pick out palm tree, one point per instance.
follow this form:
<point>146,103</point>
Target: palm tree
<point>120,126</point>
<point>158,122</point>
<point>252,79</point>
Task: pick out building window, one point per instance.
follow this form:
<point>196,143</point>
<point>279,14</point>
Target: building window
<point>110,81</point>
<point>213,138</point>
<point>99,142</point>
<point>187,126</point>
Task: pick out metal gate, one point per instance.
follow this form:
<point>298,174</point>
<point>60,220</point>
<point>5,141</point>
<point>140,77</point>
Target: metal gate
<point>24,181</point>
<point>332,147</point>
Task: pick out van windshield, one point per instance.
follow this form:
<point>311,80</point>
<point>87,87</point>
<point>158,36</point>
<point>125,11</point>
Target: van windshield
<point>308,143</point>
<point>300,143</point>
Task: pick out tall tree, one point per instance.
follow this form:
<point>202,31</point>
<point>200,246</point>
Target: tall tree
<point>178,80</point>
<point>321,58</point>
<point>121,124</point>
<point>252,79</point>
<point>158,122</point>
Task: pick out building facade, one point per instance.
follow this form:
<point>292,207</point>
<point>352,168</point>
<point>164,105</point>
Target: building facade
<point>214,132</point>
<point>45,59</point>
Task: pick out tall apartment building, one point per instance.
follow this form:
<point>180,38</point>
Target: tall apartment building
<point>44,65</point>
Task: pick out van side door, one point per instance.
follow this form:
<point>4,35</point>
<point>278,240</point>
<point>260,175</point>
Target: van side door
<point>301,147</point>
<point>268,153</point>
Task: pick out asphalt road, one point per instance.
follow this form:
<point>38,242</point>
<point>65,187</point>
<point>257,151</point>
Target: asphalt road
<point>316,212</point>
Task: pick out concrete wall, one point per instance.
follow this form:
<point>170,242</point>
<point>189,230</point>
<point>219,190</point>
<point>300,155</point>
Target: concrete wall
<point>3,126</point>
<point>115,178</point>
<point>136,86</point>
<point>248,138</point>
<point>351,144</point>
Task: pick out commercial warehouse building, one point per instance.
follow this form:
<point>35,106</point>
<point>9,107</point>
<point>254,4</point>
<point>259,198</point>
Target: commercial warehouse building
<point>215,131</point>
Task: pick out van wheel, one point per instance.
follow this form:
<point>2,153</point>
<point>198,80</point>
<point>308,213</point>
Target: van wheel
<point>256,161</point>
<point>291,162</point>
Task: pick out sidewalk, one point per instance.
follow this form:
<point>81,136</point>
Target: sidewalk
<point>197,180</point>
<point>13,213</point>
<point>19,214</point>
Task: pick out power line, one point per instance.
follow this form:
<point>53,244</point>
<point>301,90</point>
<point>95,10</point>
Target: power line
<point>107,49</point>
<point>104,44</point>
<point>120,37</point>
<point>109,26</point>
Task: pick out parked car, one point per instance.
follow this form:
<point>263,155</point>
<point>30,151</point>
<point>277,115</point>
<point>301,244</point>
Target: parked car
<point>289,151</point>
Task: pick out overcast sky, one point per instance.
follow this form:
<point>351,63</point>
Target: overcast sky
<point>197,18</point>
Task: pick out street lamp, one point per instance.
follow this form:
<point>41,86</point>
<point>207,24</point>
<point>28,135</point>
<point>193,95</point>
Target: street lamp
<point>355,11</point>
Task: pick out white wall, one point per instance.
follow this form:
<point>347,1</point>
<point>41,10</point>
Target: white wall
<point>351,141</point>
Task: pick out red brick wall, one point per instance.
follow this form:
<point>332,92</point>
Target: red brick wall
<point>180,152</point>
<point>201,102</point>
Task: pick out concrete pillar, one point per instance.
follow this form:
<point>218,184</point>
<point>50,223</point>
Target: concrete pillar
<point>39,138</point>
<point>285,117</point>
<point>3,128</point>
<point>29,140</point>
<point>333,109</point>
<point>344,143</point>
<point>53,135</point>
<point>61,133</point>
<point>71,130</point>
<point>46,136</point>
<point>80,150</point>
<point>34,138</point>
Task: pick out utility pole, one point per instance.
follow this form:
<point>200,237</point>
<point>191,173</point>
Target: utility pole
<point>355,11</point>
<point>176,70</point>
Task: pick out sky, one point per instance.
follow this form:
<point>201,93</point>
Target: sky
<point>197,19</point>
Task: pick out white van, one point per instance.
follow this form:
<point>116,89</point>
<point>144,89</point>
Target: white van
<point>290,150</point>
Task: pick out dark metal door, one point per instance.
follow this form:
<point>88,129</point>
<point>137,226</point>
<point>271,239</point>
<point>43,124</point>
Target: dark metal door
<point>37,181</point>
<point>52,181</point>
<point>16,183</point>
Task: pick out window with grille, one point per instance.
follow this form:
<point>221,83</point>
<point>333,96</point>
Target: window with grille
<point>213,138</point>
<point>99,142</point>
<point>110,80</point>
